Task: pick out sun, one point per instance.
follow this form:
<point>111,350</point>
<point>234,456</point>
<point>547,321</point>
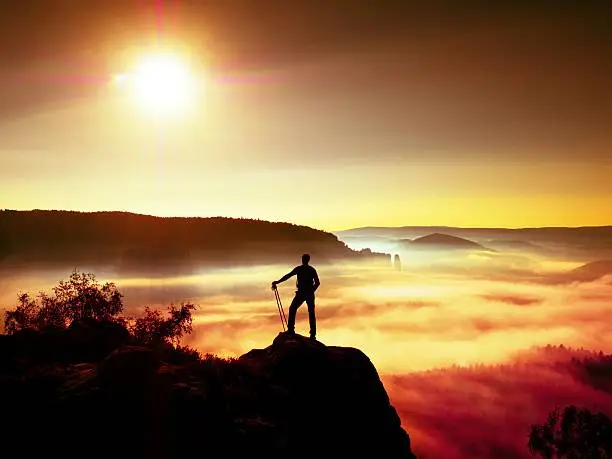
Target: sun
<point>160,82</point>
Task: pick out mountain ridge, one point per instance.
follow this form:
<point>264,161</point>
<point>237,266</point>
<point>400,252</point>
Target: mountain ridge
<point>552,240</point>
<point>132,242</point>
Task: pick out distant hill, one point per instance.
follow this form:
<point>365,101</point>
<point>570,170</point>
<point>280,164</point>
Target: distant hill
<point>591,271</point>
<point>587,235</point>
<point>132,242</point>
<point>443,241</point>
<point>581,242</point>
<point>502,233</point>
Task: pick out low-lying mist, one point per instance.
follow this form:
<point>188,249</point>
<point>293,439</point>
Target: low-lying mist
<point>445,332</point>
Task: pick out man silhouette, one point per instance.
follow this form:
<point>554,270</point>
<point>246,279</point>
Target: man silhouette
<point>307,283</point>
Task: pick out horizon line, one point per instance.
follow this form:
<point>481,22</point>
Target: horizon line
<point>355,228</point>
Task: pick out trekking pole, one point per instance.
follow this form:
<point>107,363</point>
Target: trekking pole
<point>281,312</point>
<point>280,308</point>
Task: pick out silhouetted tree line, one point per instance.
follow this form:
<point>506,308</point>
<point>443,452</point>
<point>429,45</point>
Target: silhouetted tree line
<point>574,433</point>
<point>133,239</point>
<point>586,365</point>
<point>82,299</point>
<point>594,370</point>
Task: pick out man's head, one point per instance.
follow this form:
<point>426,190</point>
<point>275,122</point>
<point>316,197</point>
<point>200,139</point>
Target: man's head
<point>305,259</point>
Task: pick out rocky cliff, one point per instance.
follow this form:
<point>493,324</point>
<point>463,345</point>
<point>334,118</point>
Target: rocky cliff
<point>84,392</point>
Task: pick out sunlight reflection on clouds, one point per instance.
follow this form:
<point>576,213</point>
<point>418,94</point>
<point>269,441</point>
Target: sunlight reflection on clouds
<point>404,321</point>
<point>415,326</point>
<point>415,319</point>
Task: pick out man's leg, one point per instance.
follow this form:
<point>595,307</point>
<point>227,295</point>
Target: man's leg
<point>310,301</point>
<point>295,304</point>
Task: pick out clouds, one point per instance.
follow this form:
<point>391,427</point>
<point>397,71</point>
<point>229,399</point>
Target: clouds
<point>424,317</point>
<point>405,321</point>
<point>417,326</point>
<point>511,299</point>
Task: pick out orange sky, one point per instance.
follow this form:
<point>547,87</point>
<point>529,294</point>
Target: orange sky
<point>490,117</point>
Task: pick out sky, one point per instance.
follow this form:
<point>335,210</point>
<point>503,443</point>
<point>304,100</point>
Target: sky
<point>318,113</point>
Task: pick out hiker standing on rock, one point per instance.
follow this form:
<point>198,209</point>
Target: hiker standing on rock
<point>307,283</point>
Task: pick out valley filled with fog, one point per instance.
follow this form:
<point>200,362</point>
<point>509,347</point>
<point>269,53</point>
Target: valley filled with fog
<point>451,326</point>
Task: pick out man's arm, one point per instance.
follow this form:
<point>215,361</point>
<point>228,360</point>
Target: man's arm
<point>316,280</point>
<point>284,278</point>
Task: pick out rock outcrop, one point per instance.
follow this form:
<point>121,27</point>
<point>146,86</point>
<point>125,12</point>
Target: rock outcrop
<point>295,398</point>
<point>397,263</point>
<point>333,397</point>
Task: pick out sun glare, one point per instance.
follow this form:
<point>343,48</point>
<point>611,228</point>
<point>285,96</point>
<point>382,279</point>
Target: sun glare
<point>160,82</point>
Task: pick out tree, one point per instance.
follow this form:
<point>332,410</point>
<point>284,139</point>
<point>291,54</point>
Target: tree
<point>81,297</point>
<point>574,434</point>
<point>154,329</point>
